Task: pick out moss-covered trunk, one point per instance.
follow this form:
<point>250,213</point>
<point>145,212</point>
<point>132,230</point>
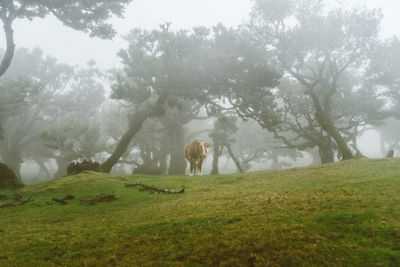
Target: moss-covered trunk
<point>151,110</point>
<point>325,120</point>
<point>325,150</point>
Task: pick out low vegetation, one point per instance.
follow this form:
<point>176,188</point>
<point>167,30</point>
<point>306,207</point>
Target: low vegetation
<point>344,213</point>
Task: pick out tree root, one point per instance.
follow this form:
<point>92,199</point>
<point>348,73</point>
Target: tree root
<point>156,189</point>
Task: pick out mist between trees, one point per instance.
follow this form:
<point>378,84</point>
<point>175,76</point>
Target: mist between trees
<point>297,84</point>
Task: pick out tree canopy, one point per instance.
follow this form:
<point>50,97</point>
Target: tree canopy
<point>89,16</point>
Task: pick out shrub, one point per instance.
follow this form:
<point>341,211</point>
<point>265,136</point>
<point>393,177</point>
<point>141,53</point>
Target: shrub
<point>76,167</point>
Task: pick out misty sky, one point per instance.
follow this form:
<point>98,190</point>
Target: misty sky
<point>74,47</point>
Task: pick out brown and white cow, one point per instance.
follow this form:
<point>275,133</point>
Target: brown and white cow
<point>195,153</point>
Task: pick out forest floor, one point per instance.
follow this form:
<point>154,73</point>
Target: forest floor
<point>345,213</point>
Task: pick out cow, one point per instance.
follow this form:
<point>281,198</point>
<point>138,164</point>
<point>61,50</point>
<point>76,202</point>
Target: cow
<point>195,153</point>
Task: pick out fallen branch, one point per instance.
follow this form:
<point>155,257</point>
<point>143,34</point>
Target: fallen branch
<point>155,189</point>
<point>21,201</point>
<point>106,197</point>
<point>61,200</point>
<point>99,198</point>
<point>16,198</point>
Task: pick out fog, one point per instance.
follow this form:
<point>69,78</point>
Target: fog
<point>323,88</point>
<point>76,48</point>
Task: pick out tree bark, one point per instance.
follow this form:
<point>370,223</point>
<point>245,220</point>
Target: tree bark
<point>328,126</point>
<point>325,151</point>
<point>140,117</point>
<point>216,155</point>
<point>123,144</point>
<point>234,158</point>
<point>156,189</point>
<point>10,46</point>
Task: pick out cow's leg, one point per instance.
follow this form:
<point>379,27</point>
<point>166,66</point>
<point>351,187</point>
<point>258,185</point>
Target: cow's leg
<point>192,165</point>
<point>199,167</point>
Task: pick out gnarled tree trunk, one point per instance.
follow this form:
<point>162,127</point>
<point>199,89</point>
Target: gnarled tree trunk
<point>139,118</point>
<point>234,158</point>
<point>325,150</point>
<point>328,126</point>
<point>217,153</point>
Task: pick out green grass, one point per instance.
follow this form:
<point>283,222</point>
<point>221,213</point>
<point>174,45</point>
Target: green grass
<point>345,213</point>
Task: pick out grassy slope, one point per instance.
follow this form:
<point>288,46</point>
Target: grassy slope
<point>346,213</point>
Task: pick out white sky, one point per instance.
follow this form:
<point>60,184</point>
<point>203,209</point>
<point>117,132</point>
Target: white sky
<point>77,48</point>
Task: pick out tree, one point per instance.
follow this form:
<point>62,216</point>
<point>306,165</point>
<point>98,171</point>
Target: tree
<point>384,74</point>
<point>50,111</point>
<point>18,119</point>
<point>222,136</point>
<point>300,130</point>
<point>353,112</point>
<point>27,90</point>
<point>159,71</point>
<point>243,78</point>
<point>174,121</point>
<point>89,16</point>
<point>75,114</point>
<point>317,50</point>
<point>162,139</point>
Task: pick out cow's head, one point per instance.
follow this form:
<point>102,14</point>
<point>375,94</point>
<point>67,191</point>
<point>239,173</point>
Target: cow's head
<point>204,147</point>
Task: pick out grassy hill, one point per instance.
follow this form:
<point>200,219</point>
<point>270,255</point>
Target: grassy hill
<point>345,213</point>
